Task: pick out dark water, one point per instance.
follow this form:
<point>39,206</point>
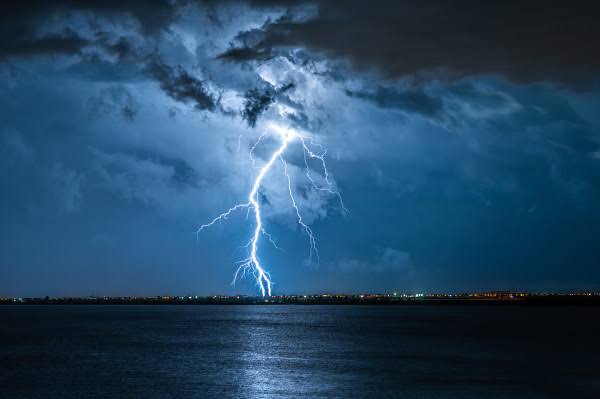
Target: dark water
<point>299,351</point>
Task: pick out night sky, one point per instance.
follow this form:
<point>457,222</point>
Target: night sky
<point>463,136</point>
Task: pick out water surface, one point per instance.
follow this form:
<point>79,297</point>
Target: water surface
<point>299,351</point>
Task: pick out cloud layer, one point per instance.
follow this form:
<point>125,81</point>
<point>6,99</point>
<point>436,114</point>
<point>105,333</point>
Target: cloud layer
<point>463,152</point>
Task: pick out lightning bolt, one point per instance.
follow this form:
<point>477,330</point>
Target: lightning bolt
<point>311,150</point>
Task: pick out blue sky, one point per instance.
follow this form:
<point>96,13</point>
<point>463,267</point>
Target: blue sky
<point>123,129</point>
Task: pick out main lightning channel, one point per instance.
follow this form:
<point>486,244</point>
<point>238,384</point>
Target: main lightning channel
<point>252,263</point>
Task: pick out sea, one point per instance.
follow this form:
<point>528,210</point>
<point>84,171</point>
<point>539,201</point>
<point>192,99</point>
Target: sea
<point>299,351</point>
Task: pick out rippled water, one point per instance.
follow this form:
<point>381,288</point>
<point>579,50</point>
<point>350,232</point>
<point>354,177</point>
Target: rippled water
<point>299,351</point>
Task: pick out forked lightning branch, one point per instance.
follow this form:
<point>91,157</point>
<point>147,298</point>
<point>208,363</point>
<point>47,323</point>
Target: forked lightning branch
<point>252,264</point>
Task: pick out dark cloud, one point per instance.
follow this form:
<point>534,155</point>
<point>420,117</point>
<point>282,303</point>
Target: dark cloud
<point>20,23</point>
<point>67,43</point>
<point>525,41</point>
<point>244,54</point>
<point>258,101</point>
<point>466,103</point>
<point>414,101</point>
<point>178,84</point>
<point>245,47</point>
<point>535,41</point>
<point>121,47</point>
<point>152,16</point>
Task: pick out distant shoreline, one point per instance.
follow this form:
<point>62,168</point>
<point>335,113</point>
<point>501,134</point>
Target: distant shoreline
<point>591,299</point>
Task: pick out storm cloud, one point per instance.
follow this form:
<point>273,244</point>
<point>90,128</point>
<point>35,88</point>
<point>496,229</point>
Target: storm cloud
<point>181,86</point>
<point>524,41</point>
<point>463,137</point>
